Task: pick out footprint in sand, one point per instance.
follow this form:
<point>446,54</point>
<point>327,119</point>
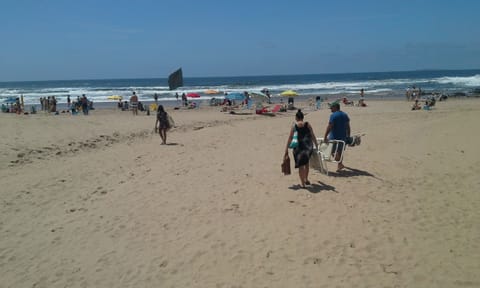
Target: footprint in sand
<point>312,260</point>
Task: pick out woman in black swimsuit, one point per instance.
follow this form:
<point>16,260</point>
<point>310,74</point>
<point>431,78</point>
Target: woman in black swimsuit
<point>304,149</point>
<point>162,124</point>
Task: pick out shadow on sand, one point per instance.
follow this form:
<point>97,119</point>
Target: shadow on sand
<point>350,172</point>
<point>314,187</point>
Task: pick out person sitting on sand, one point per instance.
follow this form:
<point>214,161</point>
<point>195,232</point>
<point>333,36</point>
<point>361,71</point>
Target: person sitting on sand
<point>361,102</point>
<point>416,105</point>
<point>347,102</point>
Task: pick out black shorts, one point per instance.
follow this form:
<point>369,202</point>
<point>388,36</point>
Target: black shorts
<point>340,147</point>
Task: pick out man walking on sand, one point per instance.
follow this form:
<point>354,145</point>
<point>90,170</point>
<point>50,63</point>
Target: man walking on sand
<point>338,129</point>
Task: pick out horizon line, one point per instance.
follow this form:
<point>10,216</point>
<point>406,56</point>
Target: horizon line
<point>240,76</point>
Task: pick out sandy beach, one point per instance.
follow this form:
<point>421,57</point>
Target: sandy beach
<point>96,201</point>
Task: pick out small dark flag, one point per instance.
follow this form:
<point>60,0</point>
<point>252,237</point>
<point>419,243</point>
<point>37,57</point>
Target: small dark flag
<point>175,79</point>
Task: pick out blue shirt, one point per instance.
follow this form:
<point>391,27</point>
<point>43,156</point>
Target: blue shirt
<point>339,121</point>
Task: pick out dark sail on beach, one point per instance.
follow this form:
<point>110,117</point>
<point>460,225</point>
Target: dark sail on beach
<point>175,79</point>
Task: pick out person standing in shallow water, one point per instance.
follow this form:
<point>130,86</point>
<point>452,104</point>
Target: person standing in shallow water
<point>162,124</point>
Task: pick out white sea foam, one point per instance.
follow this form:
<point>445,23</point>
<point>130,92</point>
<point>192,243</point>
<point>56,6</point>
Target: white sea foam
<point>471,81</point>
<point>306,87</point>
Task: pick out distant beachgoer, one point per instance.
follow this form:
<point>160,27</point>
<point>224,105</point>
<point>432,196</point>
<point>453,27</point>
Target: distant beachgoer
<point>361,102</point>
<point>304,149</point>
<point>84,102</point>
<point>362,93</point>
<point>54,104</point>
<point>347,102</point>
<point>338,129</point>
<point>134,103</point>
<point>416,105</point>
<point>318,103</point>
<point>155,97</point>
<point>18,108</point>
<point>68,102</point>
<point>184,100</point>
<point>176,96</point>
<point>162,124</point>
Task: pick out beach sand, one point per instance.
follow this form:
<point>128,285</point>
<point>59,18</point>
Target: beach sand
<point>96,201</point>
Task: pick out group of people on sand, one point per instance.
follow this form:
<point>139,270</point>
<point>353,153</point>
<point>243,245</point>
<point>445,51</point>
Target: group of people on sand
<point>302,133</point>
<point>361,100</point>
<point>429,103</point>
<point>413,93</point>
<point>15,107</point>
<point>133,104</point>
<point>48,104</point>
<point>82,104</point>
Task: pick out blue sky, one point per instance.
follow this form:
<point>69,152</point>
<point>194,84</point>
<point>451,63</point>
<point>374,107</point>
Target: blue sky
<point>46,40</point>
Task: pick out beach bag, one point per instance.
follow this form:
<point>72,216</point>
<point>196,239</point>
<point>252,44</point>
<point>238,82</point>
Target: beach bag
<point>286,166</point>
<point>171,123</point>
<point>294,143</point>
<point>315,160</point>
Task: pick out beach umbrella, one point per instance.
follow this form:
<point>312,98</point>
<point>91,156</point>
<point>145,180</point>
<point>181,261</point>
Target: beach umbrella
<point>115,97</point>
<point>258,96</point>
<point>235,96</point>
<point>289,93</point>
<point>193,95</point>
<point>211,92</point>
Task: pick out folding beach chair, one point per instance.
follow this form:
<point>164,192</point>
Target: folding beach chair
<point>327,152</point>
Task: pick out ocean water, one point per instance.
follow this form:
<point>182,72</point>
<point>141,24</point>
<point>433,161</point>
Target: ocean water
<point>376,85</point>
